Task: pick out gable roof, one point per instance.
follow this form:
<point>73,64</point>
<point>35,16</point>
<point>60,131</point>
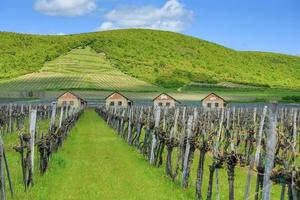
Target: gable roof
<point>118,94</point>
<point>215,95</point>
<point>72,94</point>
<point>166,95</point>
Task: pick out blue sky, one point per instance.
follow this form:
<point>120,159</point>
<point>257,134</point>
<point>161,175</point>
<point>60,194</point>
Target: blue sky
<point>261,25</point>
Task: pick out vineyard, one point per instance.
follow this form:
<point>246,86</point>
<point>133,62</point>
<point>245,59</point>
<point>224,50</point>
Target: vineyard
<point>79,69</point>
<point>236,153</point>
<point>30,135</point>
<point>232,153</point>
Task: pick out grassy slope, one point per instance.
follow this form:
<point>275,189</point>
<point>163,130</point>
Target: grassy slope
<point>23,53</point>
<point>164,58</point>
<point>173,59</point>
<point>95,163</point>
<point>78,69</point>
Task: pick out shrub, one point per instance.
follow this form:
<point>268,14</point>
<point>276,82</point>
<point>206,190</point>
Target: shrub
<point>295,99</point>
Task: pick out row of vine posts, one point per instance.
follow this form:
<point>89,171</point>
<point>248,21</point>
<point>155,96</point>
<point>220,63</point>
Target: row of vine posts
<point>46,141</point>
<point>264,141</point>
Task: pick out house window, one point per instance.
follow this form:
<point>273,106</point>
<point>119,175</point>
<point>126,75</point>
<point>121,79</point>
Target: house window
<point>120,103</point>
<point>112,103</point>
<point>168,104</point>
<point>216,105</point>
<point>160,104</point>
<point>64,103</point>
<point>209,105</point>
<point>72,103</point>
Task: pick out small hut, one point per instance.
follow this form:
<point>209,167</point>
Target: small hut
<point>70,99</point>
<point>213,101</point>
<point>165,100</point>
<point>117,99</point>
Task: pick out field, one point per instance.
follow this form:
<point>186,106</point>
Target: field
<point>167,59</point>
<point>96,164</point>
<point>78,69</point>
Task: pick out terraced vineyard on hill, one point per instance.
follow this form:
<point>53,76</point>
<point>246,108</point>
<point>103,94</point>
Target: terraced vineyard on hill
<point>81,68</point>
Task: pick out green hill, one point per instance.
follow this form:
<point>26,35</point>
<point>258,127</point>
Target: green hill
<point>79,69</point>
<point>162,58</point>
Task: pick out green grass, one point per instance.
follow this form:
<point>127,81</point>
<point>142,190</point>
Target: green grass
<point>241,94</point>
<point>162,58</point>
<point>78,69</point>
<point>94,163</point>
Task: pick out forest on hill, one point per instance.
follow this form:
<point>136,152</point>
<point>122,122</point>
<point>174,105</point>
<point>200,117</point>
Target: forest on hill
<point>162,58</point>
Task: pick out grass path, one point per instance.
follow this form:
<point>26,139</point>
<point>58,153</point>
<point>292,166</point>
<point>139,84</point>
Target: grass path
<point>95,163</point>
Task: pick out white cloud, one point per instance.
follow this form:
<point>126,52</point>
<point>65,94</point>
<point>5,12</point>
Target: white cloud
<point>59,34</point>
<point>172,16</point>
<point>65,7</point>
<point>107,26</point>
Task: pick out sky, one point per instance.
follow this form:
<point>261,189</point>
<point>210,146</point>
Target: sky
<point>247,25</point>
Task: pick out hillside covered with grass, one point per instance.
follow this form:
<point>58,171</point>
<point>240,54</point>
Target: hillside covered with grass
<point>81,68</point>
<point>162,58</point>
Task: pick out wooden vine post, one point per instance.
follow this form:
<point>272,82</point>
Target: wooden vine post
<point>121,124</point>
<point>3,166</point>
<point>181,145</point>
<point>53,114</point>
<point>29,109</point>
<point>22,109</point>
<point>185,173</point>
<point>218,155</point>
<point>147,139</point>
<point>32,127</point>
<point>155,135</point>
<point>129,134</point>
<point>2,175</point>
<point>61,117</point>
<point>10,119</point>
<point>271,141</point>
<point>217,161</point>
<point>203,150</point>
<point>231,160</point>
<point>254,161</point>
<point>294,145</point>
<point>139,128</point>
<point>170,145</point>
